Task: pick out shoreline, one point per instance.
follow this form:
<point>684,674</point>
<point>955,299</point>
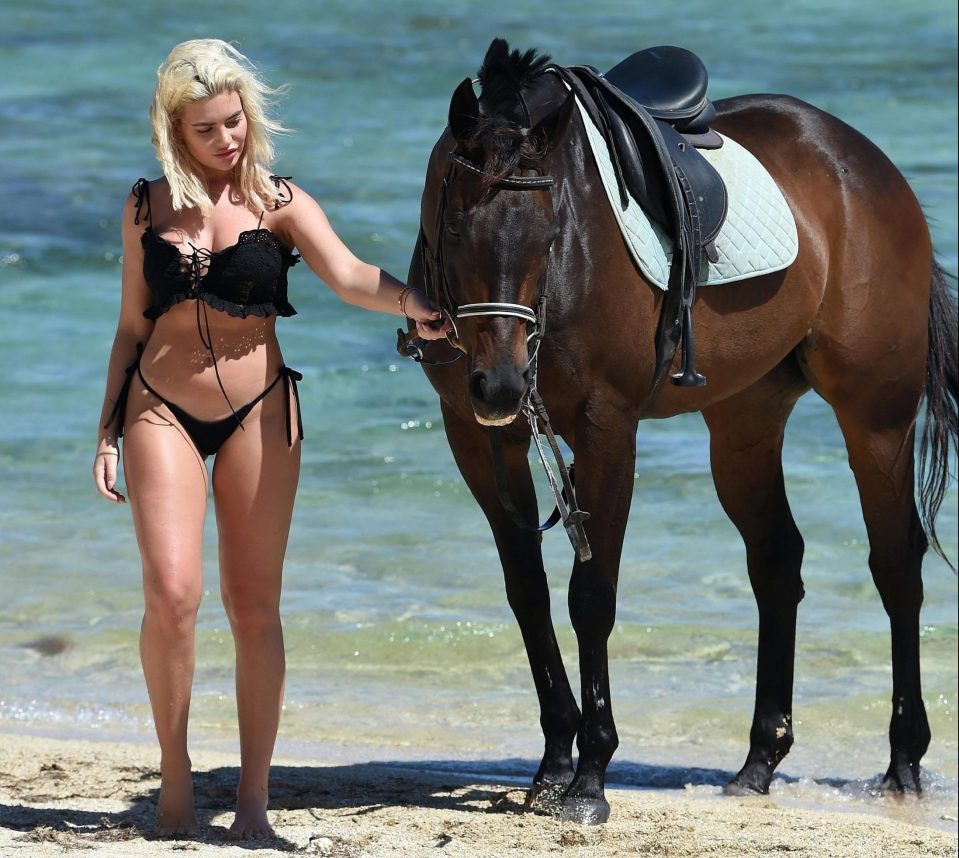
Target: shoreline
<point>97,796</point>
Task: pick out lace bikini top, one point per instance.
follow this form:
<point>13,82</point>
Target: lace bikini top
<point>245,279</point>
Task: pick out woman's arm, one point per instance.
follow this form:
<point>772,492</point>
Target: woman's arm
<point>132,328</point>
<point>353,280</point>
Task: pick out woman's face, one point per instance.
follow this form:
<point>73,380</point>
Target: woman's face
<point>214,131</point>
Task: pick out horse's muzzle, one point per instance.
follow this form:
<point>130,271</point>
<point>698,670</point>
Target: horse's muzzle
<point>497,394</point>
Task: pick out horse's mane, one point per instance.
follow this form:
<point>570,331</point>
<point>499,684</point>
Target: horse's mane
<point>503,125</point>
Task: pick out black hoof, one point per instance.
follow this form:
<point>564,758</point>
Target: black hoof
<point>584,811</point>
<point>546,797</point>
<point>734,787</point>
<point>902,778</point>
<point>753,779</point>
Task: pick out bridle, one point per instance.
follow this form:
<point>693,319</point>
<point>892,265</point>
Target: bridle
<point>534,318</point>
<point>532,406</point>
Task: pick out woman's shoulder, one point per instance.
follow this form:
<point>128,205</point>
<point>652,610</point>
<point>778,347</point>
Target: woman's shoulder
<point>292,198</point>
<point>292,202</point>
<point>144,189</point>
<point>143,184</point>
<point>144,192</point>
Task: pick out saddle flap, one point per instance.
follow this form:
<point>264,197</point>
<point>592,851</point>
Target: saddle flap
<point>643,176</point>
<point>700,179</point>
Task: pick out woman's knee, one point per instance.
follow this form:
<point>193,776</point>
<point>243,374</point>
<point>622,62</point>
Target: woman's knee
<point>172,600</point>
<point>252,611</point>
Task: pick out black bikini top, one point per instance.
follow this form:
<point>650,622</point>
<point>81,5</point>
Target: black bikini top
<point>245,279</point>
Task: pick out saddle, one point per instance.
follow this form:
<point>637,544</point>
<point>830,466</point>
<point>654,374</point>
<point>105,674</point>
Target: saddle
<point>653,113</point>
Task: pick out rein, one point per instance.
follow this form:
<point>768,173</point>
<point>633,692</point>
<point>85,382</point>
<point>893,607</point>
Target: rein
<point>532,407</point>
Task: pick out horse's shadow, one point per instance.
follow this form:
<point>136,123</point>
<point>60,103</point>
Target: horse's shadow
<point>489,786</point>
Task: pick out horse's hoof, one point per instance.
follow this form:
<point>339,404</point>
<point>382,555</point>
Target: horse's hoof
<point>584,811</point>
<point>546,797</point>
<point>734,787</point>
<point>902,778</point>
<point>753,779</point>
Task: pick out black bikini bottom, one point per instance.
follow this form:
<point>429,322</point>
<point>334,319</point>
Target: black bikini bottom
<point>210,435</point>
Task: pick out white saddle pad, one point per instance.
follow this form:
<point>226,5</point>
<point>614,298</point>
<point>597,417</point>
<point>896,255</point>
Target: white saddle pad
<point>758,236</point>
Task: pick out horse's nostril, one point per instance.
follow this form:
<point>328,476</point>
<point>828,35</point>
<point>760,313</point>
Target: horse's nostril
<point>478,385</point>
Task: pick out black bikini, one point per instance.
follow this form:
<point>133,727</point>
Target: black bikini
<point>248,278</point>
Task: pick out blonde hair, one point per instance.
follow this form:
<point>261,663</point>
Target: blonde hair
<point>198,69</point>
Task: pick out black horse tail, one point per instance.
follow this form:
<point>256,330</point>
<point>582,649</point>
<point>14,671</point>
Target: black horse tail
<point>940,432</point>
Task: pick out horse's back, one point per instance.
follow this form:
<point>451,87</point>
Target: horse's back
<point>815,155</point>
<point>862,233</point>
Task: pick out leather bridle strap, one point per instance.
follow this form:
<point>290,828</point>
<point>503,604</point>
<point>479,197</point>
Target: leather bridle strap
<point>510,183</point>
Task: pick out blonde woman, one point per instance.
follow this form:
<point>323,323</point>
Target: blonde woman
<point>196,371</point>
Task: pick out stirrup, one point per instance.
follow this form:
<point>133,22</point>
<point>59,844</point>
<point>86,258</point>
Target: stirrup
<point>688,376</point>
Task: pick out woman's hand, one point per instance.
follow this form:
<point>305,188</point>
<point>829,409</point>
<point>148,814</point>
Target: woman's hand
<point>431,321</point>
<point>105,469</point>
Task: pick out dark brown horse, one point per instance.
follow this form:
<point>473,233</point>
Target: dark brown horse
<point>864,317</point>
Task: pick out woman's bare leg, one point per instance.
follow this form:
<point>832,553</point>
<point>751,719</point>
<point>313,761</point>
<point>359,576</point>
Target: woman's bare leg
<point>254,484</point>
<point>167,485</point>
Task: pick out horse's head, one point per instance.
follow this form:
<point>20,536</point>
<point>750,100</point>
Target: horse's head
<point>490,223</point>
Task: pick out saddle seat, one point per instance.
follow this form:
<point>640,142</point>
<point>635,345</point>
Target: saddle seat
<point>670,83</point>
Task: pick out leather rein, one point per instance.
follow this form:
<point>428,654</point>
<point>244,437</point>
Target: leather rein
<point>532,406</point>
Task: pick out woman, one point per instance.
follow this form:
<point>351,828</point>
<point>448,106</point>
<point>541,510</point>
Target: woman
<point>196,371</point>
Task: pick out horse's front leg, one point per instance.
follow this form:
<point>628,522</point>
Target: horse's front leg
<point>605,461</point>
<point>527,592</point>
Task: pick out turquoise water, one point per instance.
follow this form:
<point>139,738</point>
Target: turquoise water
<point>400,642</point>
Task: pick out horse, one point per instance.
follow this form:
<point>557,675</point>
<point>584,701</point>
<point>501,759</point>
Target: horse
<point>516,228</point>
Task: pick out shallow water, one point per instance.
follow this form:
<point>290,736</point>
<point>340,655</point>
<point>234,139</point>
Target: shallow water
<point>400,642</point>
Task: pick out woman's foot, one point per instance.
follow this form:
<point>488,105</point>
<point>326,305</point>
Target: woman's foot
<point>251,822</point>
<point>176,812</point>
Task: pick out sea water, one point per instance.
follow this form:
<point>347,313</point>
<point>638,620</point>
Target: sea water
<point>400,643</point>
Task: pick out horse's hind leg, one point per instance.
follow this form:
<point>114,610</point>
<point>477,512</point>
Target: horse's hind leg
<point>527,592</point>
<point>880,443</point>
<point>746,437</point>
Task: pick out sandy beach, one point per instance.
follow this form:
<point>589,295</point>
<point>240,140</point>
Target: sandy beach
<point>97,798</point>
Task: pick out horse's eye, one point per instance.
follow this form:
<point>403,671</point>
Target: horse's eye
<point>454,224</point>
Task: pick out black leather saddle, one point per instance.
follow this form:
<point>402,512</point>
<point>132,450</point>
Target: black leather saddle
<point>653,113</point>
<point>669,84</point>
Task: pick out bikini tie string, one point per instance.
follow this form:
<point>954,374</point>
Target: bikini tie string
<point>292,377</point>
<point>119,405</point>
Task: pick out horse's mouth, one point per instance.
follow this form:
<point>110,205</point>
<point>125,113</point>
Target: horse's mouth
<point>494,421</point>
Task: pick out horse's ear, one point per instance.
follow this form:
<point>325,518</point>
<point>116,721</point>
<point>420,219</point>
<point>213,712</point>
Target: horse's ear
<point>553,128</point>
<point>464,110</point>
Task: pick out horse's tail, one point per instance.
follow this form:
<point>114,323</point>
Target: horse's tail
<point>940,432</point>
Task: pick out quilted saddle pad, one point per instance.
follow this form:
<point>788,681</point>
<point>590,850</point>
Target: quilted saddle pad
<point>758,237</point>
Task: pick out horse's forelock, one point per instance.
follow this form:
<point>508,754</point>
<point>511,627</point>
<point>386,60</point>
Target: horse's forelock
<point>503,76</point>
<point>504,145</point>
<point>502,126</point>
